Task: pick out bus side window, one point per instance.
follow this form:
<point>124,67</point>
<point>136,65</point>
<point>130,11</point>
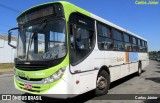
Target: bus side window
<point>82,39</point>
<point>118,43</point>
<point>140,45</point>
<point>146,47</point>
<point>82,42</point>
<point>127,40</point>
<point>134,44</point>
<point>104,37</point>
<point>72,36</point>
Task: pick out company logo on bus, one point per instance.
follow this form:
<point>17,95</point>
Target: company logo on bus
<point>119,59</point>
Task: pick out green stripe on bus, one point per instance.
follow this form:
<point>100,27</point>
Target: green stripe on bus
<point>71,8</point>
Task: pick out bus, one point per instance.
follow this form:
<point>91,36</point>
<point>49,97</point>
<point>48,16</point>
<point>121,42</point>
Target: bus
<point>64,49</point>
<point>158,57</point>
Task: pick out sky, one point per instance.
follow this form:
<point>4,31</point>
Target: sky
<point>143,20</point>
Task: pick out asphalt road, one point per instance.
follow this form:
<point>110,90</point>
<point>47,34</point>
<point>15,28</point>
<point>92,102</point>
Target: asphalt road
<point>147,83</point>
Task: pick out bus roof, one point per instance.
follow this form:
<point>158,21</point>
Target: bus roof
<point>92,16</point>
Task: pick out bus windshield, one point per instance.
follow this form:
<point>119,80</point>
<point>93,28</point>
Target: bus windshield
<point>42,41</point>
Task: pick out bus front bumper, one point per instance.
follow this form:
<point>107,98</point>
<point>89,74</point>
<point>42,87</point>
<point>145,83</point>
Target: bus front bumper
<point>57,89</point>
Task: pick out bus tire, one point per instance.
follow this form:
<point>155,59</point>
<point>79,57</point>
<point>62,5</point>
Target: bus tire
<point>102,83</point>
<point>139,69</point>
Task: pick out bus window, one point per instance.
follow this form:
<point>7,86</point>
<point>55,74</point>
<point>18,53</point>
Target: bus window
<point>134,40</point>
<point>139,42</point>
<point>103,31</point>
<point>104,38</point>
<point>134,44</point>
<point>118,44</point>
<point>140,45</point>
<point>127,40</point>
<point>117,35</point>
<point>81,37</point>
<point>105,43</point>
<point>41,43</point>
<point>82,42</point>
<point>146,47</point>
<point>128,47</point>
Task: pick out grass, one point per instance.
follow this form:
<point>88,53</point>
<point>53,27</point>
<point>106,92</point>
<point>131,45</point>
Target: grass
<point>6,67</point>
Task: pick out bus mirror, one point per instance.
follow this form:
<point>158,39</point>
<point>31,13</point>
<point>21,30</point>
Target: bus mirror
<point>10,37</point>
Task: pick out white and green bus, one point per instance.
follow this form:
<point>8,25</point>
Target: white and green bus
<point>63,49</point>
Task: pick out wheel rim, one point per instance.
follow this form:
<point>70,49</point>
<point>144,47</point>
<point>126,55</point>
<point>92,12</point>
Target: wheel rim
<point>101,83</point>
<point>139,70</point>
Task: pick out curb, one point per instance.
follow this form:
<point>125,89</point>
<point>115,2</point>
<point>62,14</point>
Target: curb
<point>6,73</point>
<point>3,75</point>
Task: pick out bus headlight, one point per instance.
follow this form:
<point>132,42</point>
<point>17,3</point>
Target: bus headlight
<point>55,76</point>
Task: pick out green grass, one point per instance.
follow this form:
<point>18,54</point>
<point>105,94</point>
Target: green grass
<point>6,67</point>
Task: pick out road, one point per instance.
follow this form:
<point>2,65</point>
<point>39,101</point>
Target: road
<point>147,83</point>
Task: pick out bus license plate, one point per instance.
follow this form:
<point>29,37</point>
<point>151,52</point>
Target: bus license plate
<point>28,86</point>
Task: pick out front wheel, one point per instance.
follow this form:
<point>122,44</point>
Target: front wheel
<point>102,84</point>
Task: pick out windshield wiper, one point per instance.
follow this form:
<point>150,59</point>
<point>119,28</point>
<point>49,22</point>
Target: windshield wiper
<point>29,44</point>
<point>39,28</point>
<point>36,31</point>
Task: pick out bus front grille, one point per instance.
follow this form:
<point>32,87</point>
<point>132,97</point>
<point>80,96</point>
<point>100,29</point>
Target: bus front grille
<point>30,67</point>
<point>31,79</point>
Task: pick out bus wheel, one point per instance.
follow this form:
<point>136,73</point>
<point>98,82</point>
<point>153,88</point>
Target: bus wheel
<point>102,84</point>
<point>139,69</point>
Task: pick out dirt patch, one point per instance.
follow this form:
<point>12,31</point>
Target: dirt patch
<point>6,71</point>
<point>6,68</point>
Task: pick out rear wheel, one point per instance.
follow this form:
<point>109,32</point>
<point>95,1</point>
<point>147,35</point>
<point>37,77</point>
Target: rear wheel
<point>139,69</point>
<point>102,84</point>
